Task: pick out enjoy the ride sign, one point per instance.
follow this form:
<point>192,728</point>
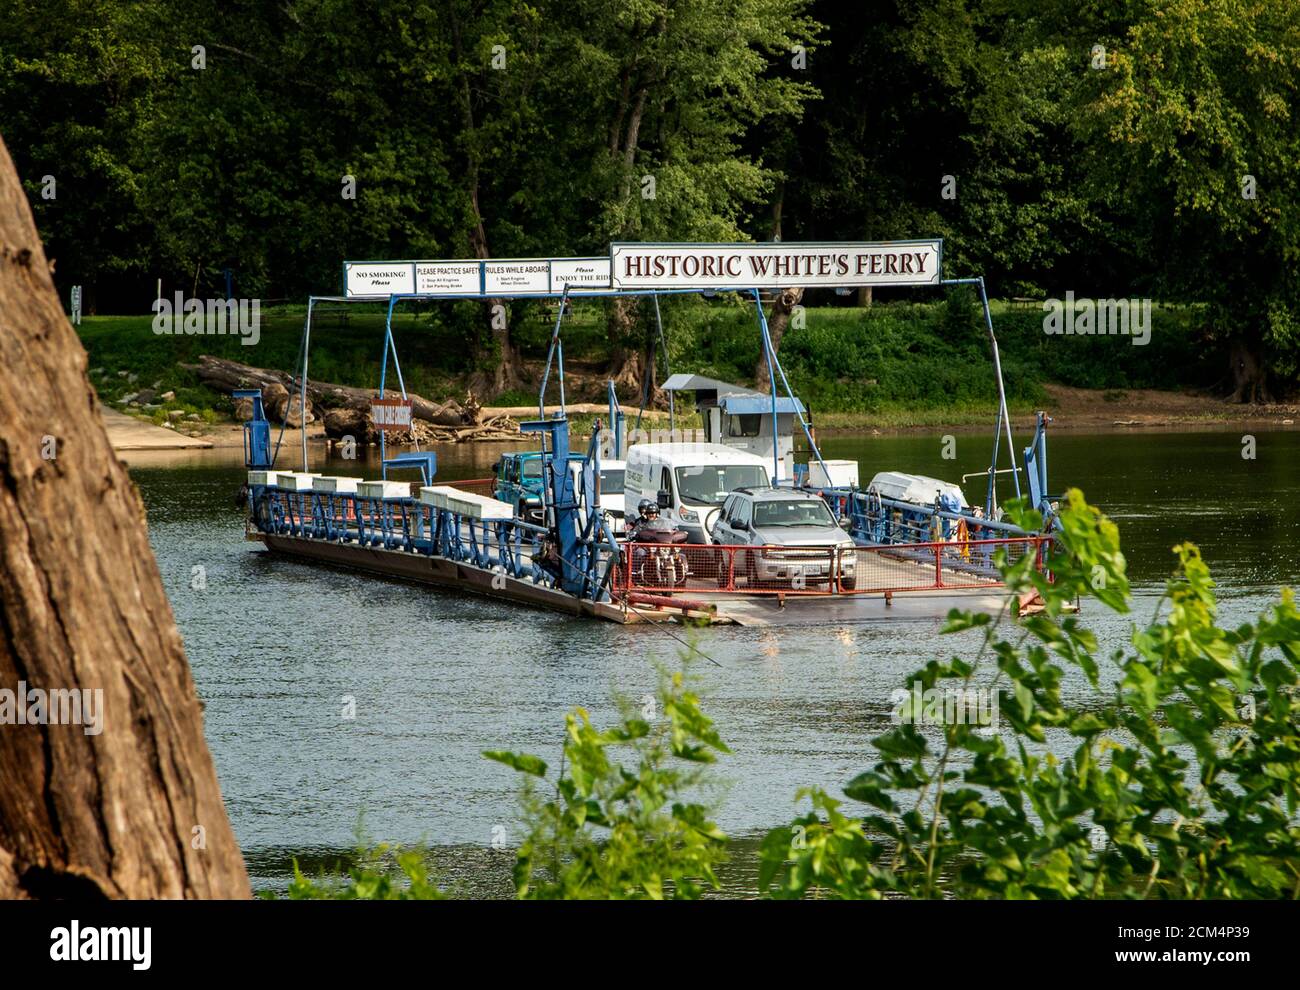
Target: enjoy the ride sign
<point>774,265</point>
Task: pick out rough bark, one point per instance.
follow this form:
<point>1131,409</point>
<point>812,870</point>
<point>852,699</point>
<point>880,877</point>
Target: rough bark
<point>226,376</point>
<point>633,368</point>
<point>134,811</point>
<point>1249,378</point>
<point>506,371</point>
<point>356,423</point>
<point>782,306</point>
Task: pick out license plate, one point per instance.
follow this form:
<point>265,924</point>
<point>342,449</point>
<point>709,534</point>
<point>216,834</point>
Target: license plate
<point>807,570</point>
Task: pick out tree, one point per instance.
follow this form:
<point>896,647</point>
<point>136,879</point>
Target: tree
<point>1191,125</point>
<point>674,89</point>
<point>134,810</point>
<point>782,308</point>
<point>76,79</point>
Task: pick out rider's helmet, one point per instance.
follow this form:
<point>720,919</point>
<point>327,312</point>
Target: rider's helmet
<point>651,510</point>
<point>644,506</point>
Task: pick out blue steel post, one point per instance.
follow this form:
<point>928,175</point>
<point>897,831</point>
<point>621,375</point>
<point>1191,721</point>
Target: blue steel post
<point>257,431</point>
<point>564,503</point>
<point>771,377</point>
<point>383,378</point>
<point>668,370</point>
<point>559,365</point>
<point>550,354</point>
<point>1002,391</point>
<point>302,394</point>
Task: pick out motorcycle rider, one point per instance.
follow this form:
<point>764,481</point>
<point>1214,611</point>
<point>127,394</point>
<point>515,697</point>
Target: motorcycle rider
<point>663,563</point>
<point>642,509</point>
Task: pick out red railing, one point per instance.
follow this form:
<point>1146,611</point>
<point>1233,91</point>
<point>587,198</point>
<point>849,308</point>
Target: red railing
<point>477,486</point>
<point>787,570</point>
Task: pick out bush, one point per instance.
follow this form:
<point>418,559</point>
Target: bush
<point>618,833</point>
<point>1170,792</point>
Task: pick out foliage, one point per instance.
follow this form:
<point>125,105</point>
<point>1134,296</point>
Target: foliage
<point>379,873</point>
<point>486,126</point>
<point>888,360</point>
<point>1193,123</point>
<point>1169,791</point>
<point>623,831</point>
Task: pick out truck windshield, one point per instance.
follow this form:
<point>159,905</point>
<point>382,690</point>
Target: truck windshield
<point>533,468</point>
<point>786,512</point>
<point>710,484</point>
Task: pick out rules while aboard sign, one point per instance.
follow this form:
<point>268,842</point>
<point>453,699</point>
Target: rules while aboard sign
<point>774,265</point>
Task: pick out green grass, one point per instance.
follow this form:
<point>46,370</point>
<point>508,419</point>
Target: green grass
<point>892,364</point>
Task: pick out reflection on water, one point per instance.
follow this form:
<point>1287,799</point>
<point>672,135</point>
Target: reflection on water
<point>279,647</point>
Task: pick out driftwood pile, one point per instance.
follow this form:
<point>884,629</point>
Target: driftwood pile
<point>345,411</point>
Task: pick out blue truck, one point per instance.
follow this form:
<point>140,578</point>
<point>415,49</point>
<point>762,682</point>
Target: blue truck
<point>518,482</point>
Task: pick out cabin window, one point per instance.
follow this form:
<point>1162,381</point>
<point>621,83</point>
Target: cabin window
<point>745,425</point>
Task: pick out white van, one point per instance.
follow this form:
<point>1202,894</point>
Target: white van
<point>688,481</point>
<point>611,491</point>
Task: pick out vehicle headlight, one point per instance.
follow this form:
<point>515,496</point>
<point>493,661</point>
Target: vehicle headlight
<point>690,515</point>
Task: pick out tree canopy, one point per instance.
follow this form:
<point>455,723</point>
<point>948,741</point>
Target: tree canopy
<point>1120,149</point>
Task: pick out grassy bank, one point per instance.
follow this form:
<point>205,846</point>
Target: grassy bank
<point>895,364</point>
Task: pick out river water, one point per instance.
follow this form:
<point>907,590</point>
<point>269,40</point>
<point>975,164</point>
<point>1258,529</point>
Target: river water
<point>276,647</point>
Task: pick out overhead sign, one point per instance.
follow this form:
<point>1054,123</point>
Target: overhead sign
<point>391,415</point>
<point>378,278</point>
<point>775,265</point>
<point>475,279</point>
<point>460,278</point>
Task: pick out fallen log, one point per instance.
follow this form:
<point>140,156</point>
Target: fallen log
<point>572,408</point>
<point>226,376</point>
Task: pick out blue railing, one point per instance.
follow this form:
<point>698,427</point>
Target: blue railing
<point>514,548</point>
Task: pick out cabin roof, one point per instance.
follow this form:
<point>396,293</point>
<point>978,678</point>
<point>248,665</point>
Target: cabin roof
<point>749,404</point>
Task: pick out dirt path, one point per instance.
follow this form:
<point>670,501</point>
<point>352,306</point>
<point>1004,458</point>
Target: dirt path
<point>128,433</point>
<point>1079,408</point>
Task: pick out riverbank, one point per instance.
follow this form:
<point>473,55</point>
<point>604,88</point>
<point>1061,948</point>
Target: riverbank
<point>1074,409</point>
<point>897,367</point>
<point>1080,409</point>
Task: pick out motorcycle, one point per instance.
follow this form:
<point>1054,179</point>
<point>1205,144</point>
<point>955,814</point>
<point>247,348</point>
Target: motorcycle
<point>662,564</point>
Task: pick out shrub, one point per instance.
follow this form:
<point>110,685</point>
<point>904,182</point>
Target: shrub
<point>617,832</point>
<point>1169,792</point>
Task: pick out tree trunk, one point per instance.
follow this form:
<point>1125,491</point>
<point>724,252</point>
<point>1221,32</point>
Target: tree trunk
<point>506,365</point>
<point>225,376</point>
<point>134,810</point>
<point>777,323</point>
<point>1249,379</point>
<point>632,368</point>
